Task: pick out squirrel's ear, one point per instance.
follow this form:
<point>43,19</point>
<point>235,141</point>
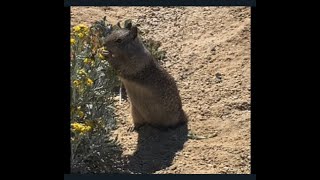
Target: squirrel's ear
<point>118,24</point>
<point>128,24</point>
<point>134,31</point>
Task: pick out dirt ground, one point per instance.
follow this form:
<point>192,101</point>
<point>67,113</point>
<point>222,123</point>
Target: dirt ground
<point>208,54</point>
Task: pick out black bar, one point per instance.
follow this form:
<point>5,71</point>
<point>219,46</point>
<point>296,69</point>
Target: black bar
<point>160,3</point>
<point>254,118</point>
<point>161,177</point>
<point>66,63</point>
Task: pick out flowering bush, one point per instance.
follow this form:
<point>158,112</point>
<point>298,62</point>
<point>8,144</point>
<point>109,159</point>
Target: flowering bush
<point>92,118</point>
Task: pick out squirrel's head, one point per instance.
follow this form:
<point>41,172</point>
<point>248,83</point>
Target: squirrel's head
<point>120,40</point>
<point>126,52</point>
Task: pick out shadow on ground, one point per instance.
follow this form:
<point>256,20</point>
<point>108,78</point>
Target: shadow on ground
<point>156,149</point>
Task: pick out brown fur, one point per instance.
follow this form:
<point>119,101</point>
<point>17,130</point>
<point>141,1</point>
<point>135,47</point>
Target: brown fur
<point>152,91</point>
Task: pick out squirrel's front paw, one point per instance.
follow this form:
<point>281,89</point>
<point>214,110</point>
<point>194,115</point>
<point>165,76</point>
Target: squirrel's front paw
<point>106,53</point>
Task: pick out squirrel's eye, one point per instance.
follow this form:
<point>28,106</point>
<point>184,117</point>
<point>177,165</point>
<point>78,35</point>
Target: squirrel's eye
<point>118,41</point>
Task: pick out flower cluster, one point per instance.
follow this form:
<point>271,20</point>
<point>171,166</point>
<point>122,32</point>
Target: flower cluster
<point>92,82</point>
<point>81,30</point>
<point>80,127</point>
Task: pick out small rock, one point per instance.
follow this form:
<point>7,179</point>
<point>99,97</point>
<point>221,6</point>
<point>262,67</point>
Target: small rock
<point>173,167</point>
<point>156,8</point>
<point>218,75</point>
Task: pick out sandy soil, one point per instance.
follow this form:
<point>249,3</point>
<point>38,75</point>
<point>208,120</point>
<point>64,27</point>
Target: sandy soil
<point>208,54</point>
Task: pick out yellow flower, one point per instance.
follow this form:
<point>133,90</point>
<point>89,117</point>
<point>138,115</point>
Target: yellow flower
<point>72,41</point>
<point>100,56</point>
<point>80,27</point>
<point>87,61</point>
<point>89,82</point>
<point>76,83</point>
<point>80,35</point>
<point>88,128</point>
<point>80,127</point>
<point>81,114</point>
<point>82,72</point>
<point>76,28</point>
<point>83,27</point>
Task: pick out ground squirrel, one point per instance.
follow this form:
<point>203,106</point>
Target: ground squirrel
<point>153,93</point>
